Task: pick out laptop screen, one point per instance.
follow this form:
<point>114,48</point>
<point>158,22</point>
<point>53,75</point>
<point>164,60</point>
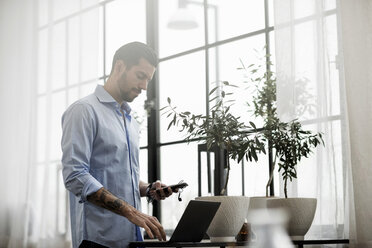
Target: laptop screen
<point>195,221</point>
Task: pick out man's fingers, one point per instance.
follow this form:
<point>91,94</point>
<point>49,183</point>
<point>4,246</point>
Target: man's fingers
<point>151,225</point>
<point>160,227</point>
<point>148,231</point>
<point>169,193</point>
<point>161,191</point>
<point>157,184</point>
<point>156,228</point>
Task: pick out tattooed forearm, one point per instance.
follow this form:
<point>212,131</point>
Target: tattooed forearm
<point>107,200</point>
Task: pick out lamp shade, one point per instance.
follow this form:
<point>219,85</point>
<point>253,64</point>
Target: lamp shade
<point>183,19</point>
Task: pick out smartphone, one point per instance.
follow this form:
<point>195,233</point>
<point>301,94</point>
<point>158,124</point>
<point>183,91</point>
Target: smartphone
<point>173,187</point>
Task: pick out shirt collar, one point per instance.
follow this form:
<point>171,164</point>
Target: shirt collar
<point>104,97</point>
<point>125,106</point>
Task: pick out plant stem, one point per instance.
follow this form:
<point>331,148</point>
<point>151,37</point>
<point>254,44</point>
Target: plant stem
<point>285,188</point>
<point>270,180</point>
<point>271,176</point>
<point>227,177</point>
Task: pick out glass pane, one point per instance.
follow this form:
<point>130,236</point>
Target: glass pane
<point>88,3</point>
<point>144,178</point>
<point>333,89</point>
<point>64,8</point>
<point>271,12</point>
<point>45,179</point>
<point>85,50</point>
<point>62,209</point>
<point>234,19</point>
<point>58,106</point>
<point>89,49</point>
<point>125,22</point>
<point>183,80</point>
<point>74,57</point>
<point>256,176</point>
<point>306,84</point>
<point>41,129</point>
<point>42,62</point>
<point>173,40</point>
<point>272,51</point>
<point>304,8</point>
<point>43,12</point>
<point>325,160</point>
<point>234,186</point>
<point>178,162</point>
<point>87,89</point>
<point>329,4</point>
<point>51,190</point>
<point>205,191</point>
<point>37,192</point>
<point>58,74</point>
<point>228,59</point>
<point>306,184</point>
<point>140,114</point>
<point>72,95</point>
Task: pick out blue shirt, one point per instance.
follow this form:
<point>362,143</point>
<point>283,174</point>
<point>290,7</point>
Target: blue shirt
<point>100,149</point>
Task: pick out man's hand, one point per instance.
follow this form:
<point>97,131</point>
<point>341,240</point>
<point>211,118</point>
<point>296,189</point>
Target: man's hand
<point>107,200</point>
<point>160,191</point>
<point>150,223</point>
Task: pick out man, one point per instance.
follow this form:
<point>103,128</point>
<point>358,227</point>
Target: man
<point>100,157</point>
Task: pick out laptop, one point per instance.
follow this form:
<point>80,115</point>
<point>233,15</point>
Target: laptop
<point>193,224</point>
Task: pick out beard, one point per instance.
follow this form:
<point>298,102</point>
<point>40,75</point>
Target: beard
<point>127,94</point>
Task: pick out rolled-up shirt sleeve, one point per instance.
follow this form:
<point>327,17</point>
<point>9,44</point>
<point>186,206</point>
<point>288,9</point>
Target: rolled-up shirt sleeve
<point>78,132</point>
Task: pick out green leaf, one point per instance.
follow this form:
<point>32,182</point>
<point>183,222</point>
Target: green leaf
<point>253,125</point>
<point>214,98</point>
<point>170,124</point>
<point>254,155</point>
<point>169,100</point>
<point>213,90</point>
<point>163,108</point>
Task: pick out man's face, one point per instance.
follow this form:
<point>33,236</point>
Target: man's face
<point>135,79</point>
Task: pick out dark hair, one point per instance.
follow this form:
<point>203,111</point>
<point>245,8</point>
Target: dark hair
<point>132,52</point>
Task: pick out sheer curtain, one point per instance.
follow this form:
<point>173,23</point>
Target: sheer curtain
<point>308,63</point>
<point>356,31</point>
<point>17,83</point>
<point>324,73</point>
<point>48,58</point>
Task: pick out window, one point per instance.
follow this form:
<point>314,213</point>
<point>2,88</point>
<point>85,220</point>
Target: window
<point>76,43</point>
<point>191,61</point>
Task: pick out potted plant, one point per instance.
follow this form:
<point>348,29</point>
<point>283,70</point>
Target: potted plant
<point>226,131</point>
<point>288,142</point>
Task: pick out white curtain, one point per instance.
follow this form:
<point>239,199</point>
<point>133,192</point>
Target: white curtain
<point>17,84</point>
<point>324,73</point>
<point>356,33</point>
<point>48,59</point>
<point>310,88</point>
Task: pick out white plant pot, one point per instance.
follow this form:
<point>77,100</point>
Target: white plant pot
<point>259,202</point>
<point>301,214</point>
<point>229,218</point>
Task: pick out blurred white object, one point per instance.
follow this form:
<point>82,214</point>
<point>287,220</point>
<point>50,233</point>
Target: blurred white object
<point>301,214</point>
<point>268,226</point>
